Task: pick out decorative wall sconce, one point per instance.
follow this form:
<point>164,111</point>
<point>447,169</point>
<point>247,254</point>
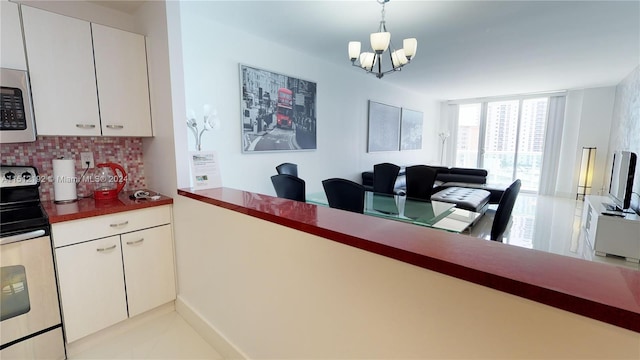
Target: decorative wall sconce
<point>586,171</point>
<point>210,122</point>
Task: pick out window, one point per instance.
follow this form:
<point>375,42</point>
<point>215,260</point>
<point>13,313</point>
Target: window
<point>506,137</point>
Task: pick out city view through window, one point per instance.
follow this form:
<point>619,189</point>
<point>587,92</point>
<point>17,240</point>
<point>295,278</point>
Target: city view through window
<point>504,137</point>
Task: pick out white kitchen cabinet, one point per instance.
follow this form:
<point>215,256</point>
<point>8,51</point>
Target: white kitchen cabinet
<point>148,265</point>
<point>86,79</point>
<point>112,267</point>
<point>123,85</point>
<point>63,82</point>
<point>11,45</point>
<point>92,291</point>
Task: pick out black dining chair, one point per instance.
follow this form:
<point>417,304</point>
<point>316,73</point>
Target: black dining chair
<point>287,168</point>
<point>420,180</point>
<point>504,210</point>
<point>344,194</point>
<point>384,177</point>
<point>289,187</point>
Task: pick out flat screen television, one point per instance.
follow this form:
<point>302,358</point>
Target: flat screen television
<point>621,185</point>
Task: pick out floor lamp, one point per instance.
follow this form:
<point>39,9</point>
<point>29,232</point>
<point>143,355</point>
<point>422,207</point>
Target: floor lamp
<point>586,171</point>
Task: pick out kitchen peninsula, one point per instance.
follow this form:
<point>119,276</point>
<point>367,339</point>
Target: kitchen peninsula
<point>393,285</point>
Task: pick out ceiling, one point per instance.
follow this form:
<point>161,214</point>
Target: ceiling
<point>465,48</point>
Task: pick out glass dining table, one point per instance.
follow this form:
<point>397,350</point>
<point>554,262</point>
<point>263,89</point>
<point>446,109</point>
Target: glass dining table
<point>434,214</point>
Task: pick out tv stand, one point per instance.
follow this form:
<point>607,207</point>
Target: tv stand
<point>612,207</point>
<point>617,235</point>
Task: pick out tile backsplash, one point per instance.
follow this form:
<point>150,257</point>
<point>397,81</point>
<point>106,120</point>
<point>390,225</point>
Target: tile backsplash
<point>126,151</point>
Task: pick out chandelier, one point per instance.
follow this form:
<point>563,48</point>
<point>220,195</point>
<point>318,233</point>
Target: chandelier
<point>371,62</point>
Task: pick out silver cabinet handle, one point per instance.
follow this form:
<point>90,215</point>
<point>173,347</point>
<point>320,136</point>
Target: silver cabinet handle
<point>119,224</point>
<point>85,126</point>
<point>115,126</point>
<point>135,242</point>
<point>106,248</point>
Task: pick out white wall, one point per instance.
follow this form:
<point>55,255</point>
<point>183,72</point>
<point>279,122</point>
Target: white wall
<point>595,126</point>
<point>211,54</point>
<point>588,117</point>
<point>158,151</point>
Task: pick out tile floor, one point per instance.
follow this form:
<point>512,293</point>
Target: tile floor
<point>550,224</point>
<point>538,222</point>
<point>165,336</point>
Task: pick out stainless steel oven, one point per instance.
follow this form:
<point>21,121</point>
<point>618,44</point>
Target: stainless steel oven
<point>30,322</point>
<point>16,112</point>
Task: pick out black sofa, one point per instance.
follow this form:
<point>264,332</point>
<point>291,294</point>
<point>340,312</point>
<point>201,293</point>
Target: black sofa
<point>444,175</point>
<point>447,178</point>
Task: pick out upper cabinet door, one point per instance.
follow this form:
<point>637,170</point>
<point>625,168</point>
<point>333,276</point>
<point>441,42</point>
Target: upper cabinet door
<point>11,46</point>
<point>123,85</point>
<point>63,82</point>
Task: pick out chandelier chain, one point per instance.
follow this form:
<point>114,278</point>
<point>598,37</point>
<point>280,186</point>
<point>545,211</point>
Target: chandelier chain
<point>383,24</point>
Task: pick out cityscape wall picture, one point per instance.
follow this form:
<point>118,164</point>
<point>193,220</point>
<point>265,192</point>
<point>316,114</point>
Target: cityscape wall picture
<point>278,112</point>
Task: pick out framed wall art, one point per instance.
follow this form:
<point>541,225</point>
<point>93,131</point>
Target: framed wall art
<point>411,130</point>
<point>384,127</point>
<point>277,112</point>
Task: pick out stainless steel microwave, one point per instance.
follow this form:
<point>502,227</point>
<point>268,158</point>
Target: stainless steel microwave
<point>16,111</point>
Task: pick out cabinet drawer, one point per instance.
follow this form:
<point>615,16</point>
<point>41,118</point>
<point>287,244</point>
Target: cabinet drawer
<point>75,231</point>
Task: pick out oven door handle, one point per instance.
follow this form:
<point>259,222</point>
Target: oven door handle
<point>21,237</point>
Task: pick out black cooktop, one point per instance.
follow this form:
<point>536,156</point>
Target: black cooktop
<point>20,207</point>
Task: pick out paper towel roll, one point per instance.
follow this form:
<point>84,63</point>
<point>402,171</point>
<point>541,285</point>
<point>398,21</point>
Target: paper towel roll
<point>64,180</point>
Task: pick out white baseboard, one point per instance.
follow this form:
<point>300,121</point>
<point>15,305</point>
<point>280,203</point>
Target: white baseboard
<point>208,332</point>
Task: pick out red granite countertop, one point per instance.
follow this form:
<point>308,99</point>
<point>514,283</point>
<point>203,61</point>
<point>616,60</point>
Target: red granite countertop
<point>89,207</point>
<point>599,291</point>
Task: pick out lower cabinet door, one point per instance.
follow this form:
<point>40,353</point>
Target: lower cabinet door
<point>91,286</point>
<point>149,268</point>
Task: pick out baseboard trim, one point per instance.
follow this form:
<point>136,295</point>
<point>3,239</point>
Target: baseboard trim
<point>208,332</point>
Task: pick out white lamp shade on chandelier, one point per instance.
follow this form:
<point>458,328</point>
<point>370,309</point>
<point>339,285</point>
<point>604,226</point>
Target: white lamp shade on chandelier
<point>410,46</point>
<point>354,50</point>
<point>367,60</point>
<point>399,58</point>
<point>380,43</point>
